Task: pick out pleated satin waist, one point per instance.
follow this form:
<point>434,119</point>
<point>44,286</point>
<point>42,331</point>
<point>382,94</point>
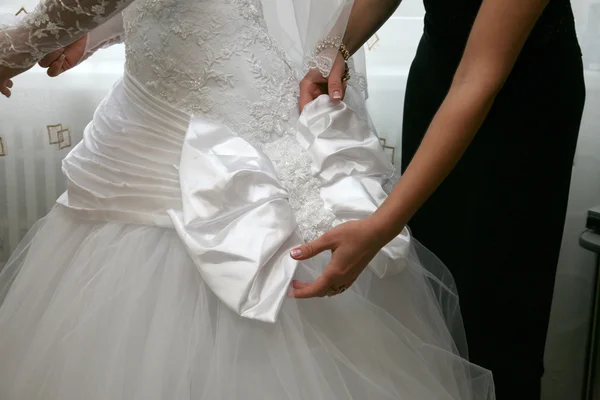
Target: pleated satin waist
<point>127,166</point>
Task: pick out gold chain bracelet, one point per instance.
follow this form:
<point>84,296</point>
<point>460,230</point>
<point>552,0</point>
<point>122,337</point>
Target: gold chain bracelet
<point>345,52</point>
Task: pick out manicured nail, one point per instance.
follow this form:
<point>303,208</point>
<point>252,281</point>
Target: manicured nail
<point>297,252</point>
<point>337,94</point>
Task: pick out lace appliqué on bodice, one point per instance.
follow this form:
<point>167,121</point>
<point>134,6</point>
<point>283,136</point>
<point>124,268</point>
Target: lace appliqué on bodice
<point>215,59</point>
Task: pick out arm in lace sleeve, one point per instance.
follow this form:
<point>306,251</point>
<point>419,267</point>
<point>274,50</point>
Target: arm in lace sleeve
<point>353,28</point>
<point>54,24</point>
<point>106,35</point>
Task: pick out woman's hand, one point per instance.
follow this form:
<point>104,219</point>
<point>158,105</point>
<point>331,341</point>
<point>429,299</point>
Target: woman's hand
<point>314,84</point>
<point>353,246</point>
<point>57,62</point>
<point>64,59</point>
<point>6,75</point>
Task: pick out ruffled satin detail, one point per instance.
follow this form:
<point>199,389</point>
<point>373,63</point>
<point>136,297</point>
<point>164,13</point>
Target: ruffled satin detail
<point>222,194</point>
<point>237,224</point>
<point>348,158</point>
<point>126,168</point>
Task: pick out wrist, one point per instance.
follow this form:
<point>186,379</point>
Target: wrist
<point>386,227</point>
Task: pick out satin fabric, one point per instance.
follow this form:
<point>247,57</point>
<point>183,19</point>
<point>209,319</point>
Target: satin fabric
<point>348,158</point>
<point>220,193</point>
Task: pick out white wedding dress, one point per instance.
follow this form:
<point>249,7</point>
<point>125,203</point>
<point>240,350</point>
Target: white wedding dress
<point>162,272</point>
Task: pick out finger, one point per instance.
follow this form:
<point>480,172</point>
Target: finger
<point>68,63</point>
<point>311,249</point>
<point>335,87</point>
<point>9,84</point>
<point>57,67</point>
<point>318,288</point>
<point>300,285</point>
<point>5,91</point>
<point>306,95</point>
<point>50,58</point>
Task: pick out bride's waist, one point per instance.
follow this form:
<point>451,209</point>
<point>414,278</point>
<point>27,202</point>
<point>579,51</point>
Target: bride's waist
<point>127,167</point>
<point>128,161</point>
<point>219,94</point>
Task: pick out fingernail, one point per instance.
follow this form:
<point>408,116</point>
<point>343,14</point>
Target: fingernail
<point>297,252</point>
<point>337,94</point>
<point>62,56</point>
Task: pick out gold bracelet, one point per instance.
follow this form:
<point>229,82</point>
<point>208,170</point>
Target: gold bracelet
<point>345,52</point>
<point>328,43</point>
<point>346,76</point>
<point>333,42</point>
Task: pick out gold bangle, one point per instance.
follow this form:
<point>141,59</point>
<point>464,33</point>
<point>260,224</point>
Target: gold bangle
<point>346,76</point>
<point>345,52</point>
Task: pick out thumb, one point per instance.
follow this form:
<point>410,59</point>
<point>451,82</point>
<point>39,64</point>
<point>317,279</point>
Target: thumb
<point>335,88</point>
<point>50,58</point>
<point>306,95</point>
<point>57,67</point>
<point>311,249</point>
<point>335,84</point>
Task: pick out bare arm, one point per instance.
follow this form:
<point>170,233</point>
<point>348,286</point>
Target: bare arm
<point>498,35</point>
<point>365,20</point>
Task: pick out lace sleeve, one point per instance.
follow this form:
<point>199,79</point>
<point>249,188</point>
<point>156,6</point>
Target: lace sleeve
<point>106,35</point>
<point>53,24</point>
<point>326,47</point>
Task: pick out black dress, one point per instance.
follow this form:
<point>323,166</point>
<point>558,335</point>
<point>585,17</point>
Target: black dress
<point>497,220</point>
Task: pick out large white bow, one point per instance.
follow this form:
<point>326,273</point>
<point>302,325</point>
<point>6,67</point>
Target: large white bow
<point>237,223</point>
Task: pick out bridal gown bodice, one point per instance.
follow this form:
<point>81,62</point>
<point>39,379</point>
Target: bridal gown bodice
<point>203,135</point>
<point>213,58</point>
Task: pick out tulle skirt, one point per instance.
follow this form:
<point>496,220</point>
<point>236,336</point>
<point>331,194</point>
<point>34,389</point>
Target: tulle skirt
<point>107,310</point>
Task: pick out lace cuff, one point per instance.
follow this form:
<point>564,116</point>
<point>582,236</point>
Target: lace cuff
<point>325,55</point>
<point>54,24</point>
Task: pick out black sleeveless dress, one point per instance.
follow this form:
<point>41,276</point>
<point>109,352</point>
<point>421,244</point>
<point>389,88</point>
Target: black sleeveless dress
<point>497,220</point>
